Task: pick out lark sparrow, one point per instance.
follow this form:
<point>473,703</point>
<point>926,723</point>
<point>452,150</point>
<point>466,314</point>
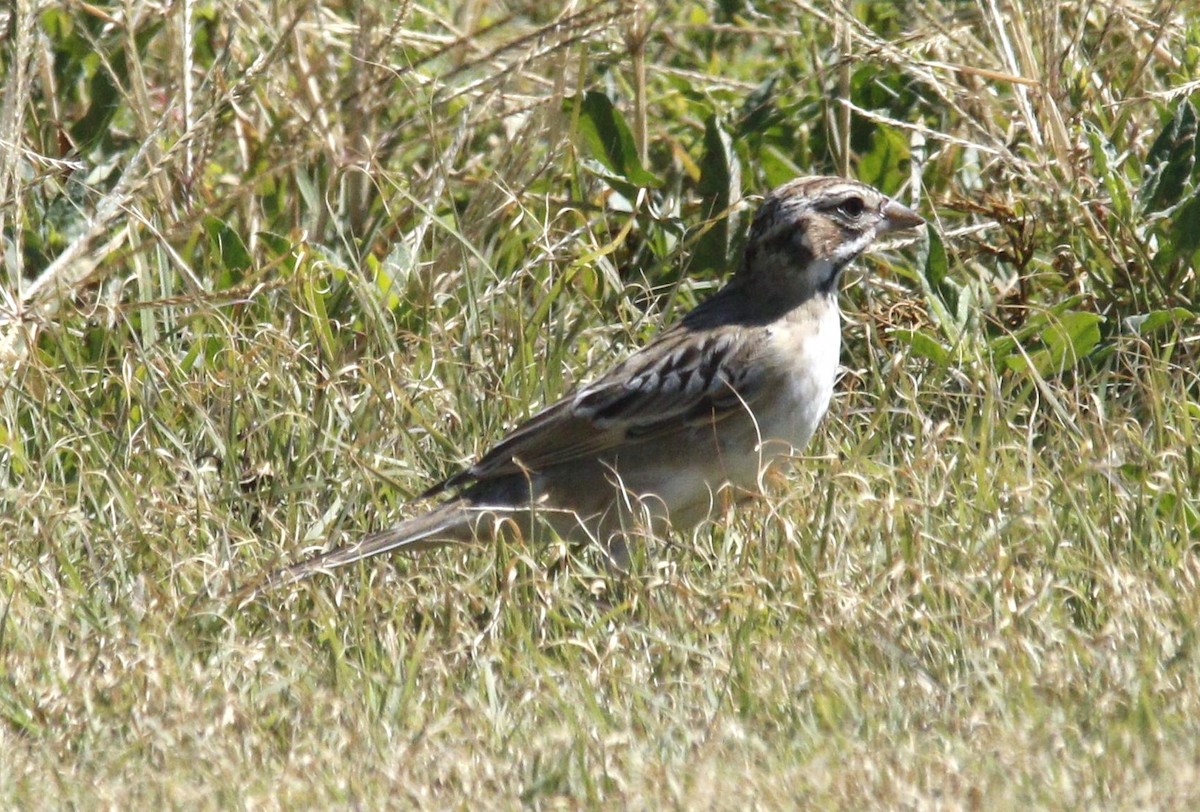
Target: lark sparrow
<point>691,421</point>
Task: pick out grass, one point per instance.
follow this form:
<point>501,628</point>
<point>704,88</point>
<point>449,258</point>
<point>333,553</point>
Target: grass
<point>261,290</point>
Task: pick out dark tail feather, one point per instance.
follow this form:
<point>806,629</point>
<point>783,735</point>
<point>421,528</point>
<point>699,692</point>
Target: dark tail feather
<point>451,522</point>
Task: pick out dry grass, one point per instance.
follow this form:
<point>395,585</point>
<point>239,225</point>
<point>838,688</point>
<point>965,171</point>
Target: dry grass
<point>262,289</point>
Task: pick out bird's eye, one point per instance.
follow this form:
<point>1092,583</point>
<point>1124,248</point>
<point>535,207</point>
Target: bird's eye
<point>852,206</point>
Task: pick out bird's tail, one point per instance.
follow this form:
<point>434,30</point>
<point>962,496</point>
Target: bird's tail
<point>448,523</point>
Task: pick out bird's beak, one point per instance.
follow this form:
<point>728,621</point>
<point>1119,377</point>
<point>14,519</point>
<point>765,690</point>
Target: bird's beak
<point>898,218</point>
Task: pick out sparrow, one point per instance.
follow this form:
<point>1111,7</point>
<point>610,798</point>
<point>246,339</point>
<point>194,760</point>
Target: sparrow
<point>688,424</point>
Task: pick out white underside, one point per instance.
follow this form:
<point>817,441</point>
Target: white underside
<point>686,485</point>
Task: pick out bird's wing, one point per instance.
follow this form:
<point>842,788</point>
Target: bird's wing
<point>686,377</point>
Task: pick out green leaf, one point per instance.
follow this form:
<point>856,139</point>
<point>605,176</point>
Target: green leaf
<point>1185,233</point>
<point>628,192</point>
<point>610,141</point>
<point>1066,341</point>
<point>1147,323</point>
<point>923,344</point>
<point>937,267</point>
<point>1171,160</point>
<point>759,110</point>
<point>315,297</point>
<point>720,187</point>
<point>885,164</point>
<point>776,166</point>
<point>1006,343</point>
<point>1075,333</point>
<point>228,245</point>
<point>104,98</point>
<point>947,303</point>
<point>1105,161</point>
<point>281,248</point>
<point>391,276</point>
<point>1169,506</point>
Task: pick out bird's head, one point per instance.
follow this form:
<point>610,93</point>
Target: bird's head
<point>807,231</point>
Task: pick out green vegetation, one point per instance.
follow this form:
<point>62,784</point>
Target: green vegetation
<point>271,271</point>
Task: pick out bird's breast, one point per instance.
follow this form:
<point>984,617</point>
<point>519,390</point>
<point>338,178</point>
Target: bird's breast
<point>804,351</point>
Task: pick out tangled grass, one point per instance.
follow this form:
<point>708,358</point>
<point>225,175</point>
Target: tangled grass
<point>271,269</point>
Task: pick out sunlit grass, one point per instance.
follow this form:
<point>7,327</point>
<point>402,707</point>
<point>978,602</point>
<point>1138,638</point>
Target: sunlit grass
<point>389,237</point>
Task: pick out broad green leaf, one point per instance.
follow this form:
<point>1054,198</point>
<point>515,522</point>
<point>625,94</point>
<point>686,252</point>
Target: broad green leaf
<point>277,244</point>
<point>1003,345</point>
<point>1171,160</point>
<point>1066,341</point>
<point>776,166</point>
<point>1105,161</point>
<point>610,141</point>
<point>720,187</point>
<point>758,111</point>
<point>228,245</point>
<point>319,316</point>
<point>937,268</point>
<point>626,191</point>
<point>392,274</point>
<point>945,298</point>
<point>281,248</point>
<point>1075,334</point>
<point>1147,323</point>
<point>923,344</point>
<point>105,100</point>
<point>885,164</point>
<point>1185,233</point>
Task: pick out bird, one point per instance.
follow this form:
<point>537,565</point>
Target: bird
<point>689,423</point>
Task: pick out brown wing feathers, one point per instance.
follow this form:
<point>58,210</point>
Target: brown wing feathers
<point>672,383</point>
